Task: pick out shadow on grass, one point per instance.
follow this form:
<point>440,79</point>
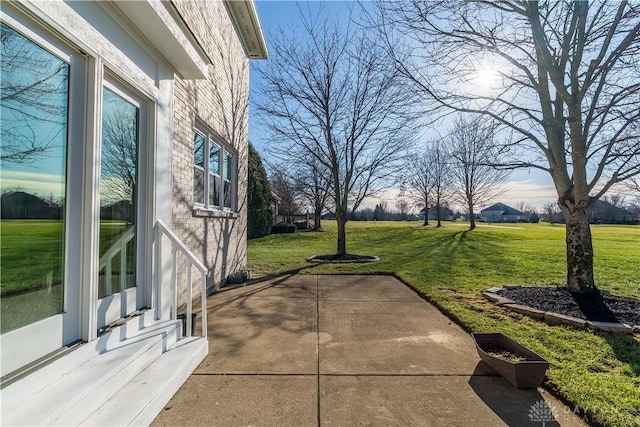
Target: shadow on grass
<point>450,252</point>
<point>626,348</point>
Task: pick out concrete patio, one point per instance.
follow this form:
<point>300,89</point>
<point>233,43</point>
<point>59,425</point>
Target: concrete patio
<point>310,350</point>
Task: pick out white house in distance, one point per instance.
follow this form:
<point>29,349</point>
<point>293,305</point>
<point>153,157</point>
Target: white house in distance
<point>500,212</point>
<point>130,118</point>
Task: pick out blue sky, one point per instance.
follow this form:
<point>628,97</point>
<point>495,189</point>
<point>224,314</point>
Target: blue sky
<point>532,186</point>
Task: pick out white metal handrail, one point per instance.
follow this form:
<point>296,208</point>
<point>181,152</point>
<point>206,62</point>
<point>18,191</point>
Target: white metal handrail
<point>178,245</point>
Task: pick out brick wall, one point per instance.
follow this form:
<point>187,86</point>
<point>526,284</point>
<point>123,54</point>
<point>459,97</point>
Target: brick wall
<point>220,101</point>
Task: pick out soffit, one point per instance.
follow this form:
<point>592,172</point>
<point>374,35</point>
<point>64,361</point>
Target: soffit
<point>166,31</point>
<point>245,17</point>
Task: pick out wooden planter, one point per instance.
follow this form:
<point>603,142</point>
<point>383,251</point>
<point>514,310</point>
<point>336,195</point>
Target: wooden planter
<point>526,374</point>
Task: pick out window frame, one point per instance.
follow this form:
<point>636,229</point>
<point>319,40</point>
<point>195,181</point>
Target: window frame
<point>221,176</point>
<point>53,332</point>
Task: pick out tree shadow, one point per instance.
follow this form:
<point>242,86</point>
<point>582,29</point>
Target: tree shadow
<point>261,313</point>
<point>594,307</point>
<point>626,348</point>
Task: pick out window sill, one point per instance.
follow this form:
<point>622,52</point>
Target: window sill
<point>200,212</point>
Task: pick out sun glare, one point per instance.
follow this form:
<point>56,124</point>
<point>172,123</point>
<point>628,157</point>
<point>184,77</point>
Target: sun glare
<point>486,77</point>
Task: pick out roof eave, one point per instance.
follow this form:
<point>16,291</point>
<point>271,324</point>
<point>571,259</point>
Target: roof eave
<point>247,23</point>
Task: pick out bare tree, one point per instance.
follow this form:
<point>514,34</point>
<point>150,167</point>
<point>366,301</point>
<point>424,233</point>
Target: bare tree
<point>119,155</point>
<point>419,178</point>
<point>551,209</point>
<point>313,183</point>
<point>285,187</point>
<point>472,150</point>
<point>402,202</point>
<point>33,95</point>
<point>633,206</point>
<point>329,96</point>
<point>560,76</point>
<point>526,209</point>
<point>428,179</point>
<point>442,178</point>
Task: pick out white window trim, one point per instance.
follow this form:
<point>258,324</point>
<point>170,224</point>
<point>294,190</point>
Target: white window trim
<point>55,331</point>
<point>120,304</point>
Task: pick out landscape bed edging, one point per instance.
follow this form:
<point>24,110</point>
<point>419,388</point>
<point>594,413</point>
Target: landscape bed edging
<point>556,318</point>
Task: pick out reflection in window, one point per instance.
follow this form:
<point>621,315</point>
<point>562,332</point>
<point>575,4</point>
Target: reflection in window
<point>33,122</point>
<point>198,168</point>
<point>228,173</point>
<point>118,177</point>
<point>214,191</point>
<point>214,159</point>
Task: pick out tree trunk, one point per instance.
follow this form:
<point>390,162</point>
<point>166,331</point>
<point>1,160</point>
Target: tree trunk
<point>472,219</point>
<point>438,214</point>
<point>426,219</point>
<point>342,235</point>
<point>317,218</point>
<point>579,250</point>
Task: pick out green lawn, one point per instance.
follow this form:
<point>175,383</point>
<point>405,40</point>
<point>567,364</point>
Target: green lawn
<point>598,372</point>
<point>31,252</point>
<point>31,268</point>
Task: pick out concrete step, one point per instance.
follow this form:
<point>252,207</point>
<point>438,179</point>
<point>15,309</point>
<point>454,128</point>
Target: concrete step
<point>142,399</point>
<point>70,391</point>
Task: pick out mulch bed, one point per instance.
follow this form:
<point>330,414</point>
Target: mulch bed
<point>601,307</point>
<point>344,258</point>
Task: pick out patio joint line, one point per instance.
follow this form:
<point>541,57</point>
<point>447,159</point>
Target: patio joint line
<point>318,351</point>
<point>315,374</point>
<point>373,301</point>
<point>407,375</point>
<point>252,374</point>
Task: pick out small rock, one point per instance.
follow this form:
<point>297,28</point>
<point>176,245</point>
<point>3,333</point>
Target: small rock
<point>616,328</point>
<point>526,310</point>
<point>561,319</point>
<point>497,298</point>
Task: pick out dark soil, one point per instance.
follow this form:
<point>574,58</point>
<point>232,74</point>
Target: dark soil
<point>345,258</point>
<point>502,353</point>
<point>599,306</point>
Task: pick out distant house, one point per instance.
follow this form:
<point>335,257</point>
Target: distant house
<point>500,212</point>
<point>21,205</point>
<point>603,212</point>
<point>118,211</point>
<point>446,214</point>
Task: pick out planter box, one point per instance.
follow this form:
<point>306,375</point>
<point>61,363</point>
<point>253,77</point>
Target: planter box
<point>526,374</point>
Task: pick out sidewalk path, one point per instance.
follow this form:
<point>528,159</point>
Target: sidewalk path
<point>309,350</point>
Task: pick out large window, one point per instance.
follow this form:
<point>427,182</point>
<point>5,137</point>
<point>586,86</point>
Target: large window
<point>118,190</point>
<point>214,172</point>
<point>33,111</point>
